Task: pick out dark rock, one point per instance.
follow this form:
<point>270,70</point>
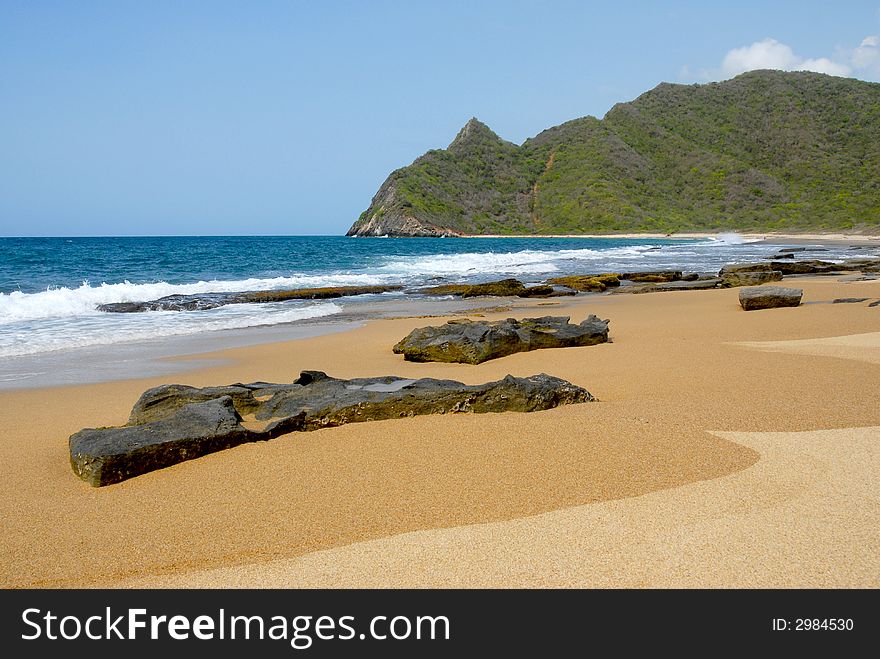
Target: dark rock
<point>473,342</point>
<point>163,401</point>
<point>792,250</point>
<point>103,456</point>
<point>785,267</point>
<point>205,301</point>
<point>776,257</point>
<point>860,264</point>
<point>849,300</point>
<point>653,276</point>
<point>198,302</point>
<point>733,268</point>
<point>691,276</point>
<point>330,402</point>
<point>734,279</point>
<point>183,430</point>
<point>805,267</point>
<point>542,291</point>
<point>698,285</point>
<point>875,304</point>
<point>325,293</point>
<point>769,297</point>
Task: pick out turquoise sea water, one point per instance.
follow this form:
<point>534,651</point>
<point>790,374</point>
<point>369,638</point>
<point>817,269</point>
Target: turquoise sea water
<point>50,287</point>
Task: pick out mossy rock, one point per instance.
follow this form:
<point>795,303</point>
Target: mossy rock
<point>501,288</point>
<point>587,282</point>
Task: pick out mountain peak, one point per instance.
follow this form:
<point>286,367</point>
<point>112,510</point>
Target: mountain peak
<point>474,132</point>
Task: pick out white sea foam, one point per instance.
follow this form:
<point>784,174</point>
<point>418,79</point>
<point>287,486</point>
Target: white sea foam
<point>65,302</point>
<point>29,338</point>
<point>732,238</point>
<point>524,262</point>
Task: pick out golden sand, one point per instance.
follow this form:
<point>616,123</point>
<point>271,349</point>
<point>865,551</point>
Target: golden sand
<point>704,464</point>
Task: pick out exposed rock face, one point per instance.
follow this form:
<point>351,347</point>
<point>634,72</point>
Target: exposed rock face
<point>175,423</point>
<point>474,342</point>
<point>734,279</point>
<point>204,301</point>
<point>769,297</point>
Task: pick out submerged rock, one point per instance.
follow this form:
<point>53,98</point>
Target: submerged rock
<point>205,301</point>
<point>769,297</point>
<point>474,342</point>
<point>175,423</point>
<point>197,302</point>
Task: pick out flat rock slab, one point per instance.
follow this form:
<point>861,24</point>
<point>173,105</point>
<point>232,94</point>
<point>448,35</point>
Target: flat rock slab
<point>205,301</point>
<point>175,423</point>
<point>692,285</point>
<point>500,288</point>
<point>769,297</point>
<point>474,342</point>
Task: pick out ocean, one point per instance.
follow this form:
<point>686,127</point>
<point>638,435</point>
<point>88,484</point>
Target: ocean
<point>50,288</point>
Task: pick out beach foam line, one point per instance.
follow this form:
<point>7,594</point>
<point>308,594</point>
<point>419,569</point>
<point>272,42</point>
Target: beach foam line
<point>861,347</point>
<point>149,325</point>
<point>805,515</point>
<point>510,263</point>
<point>66,302</point>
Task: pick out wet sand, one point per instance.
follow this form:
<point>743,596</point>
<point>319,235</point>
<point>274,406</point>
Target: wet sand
<point>705,463</point>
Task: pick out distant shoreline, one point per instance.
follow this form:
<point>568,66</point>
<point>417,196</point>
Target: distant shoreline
<point>813,237</point>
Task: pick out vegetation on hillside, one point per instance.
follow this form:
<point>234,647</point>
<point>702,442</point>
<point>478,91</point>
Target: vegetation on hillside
<point>766,150</point>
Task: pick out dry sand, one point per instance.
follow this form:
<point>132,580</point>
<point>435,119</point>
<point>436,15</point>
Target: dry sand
<point>707,462</point>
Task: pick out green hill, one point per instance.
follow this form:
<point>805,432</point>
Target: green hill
<point>764,151</point>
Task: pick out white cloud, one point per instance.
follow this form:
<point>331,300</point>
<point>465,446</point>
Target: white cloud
<point>862,61</point>
<point>867,55</point>
<point>771,54</point>
<point>766,54</point>
<point>824,65</point>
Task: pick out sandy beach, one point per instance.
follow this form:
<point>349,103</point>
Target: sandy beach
<point>728,449</point>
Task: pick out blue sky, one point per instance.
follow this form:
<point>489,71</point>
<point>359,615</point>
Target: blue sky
<point>165,118</point>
